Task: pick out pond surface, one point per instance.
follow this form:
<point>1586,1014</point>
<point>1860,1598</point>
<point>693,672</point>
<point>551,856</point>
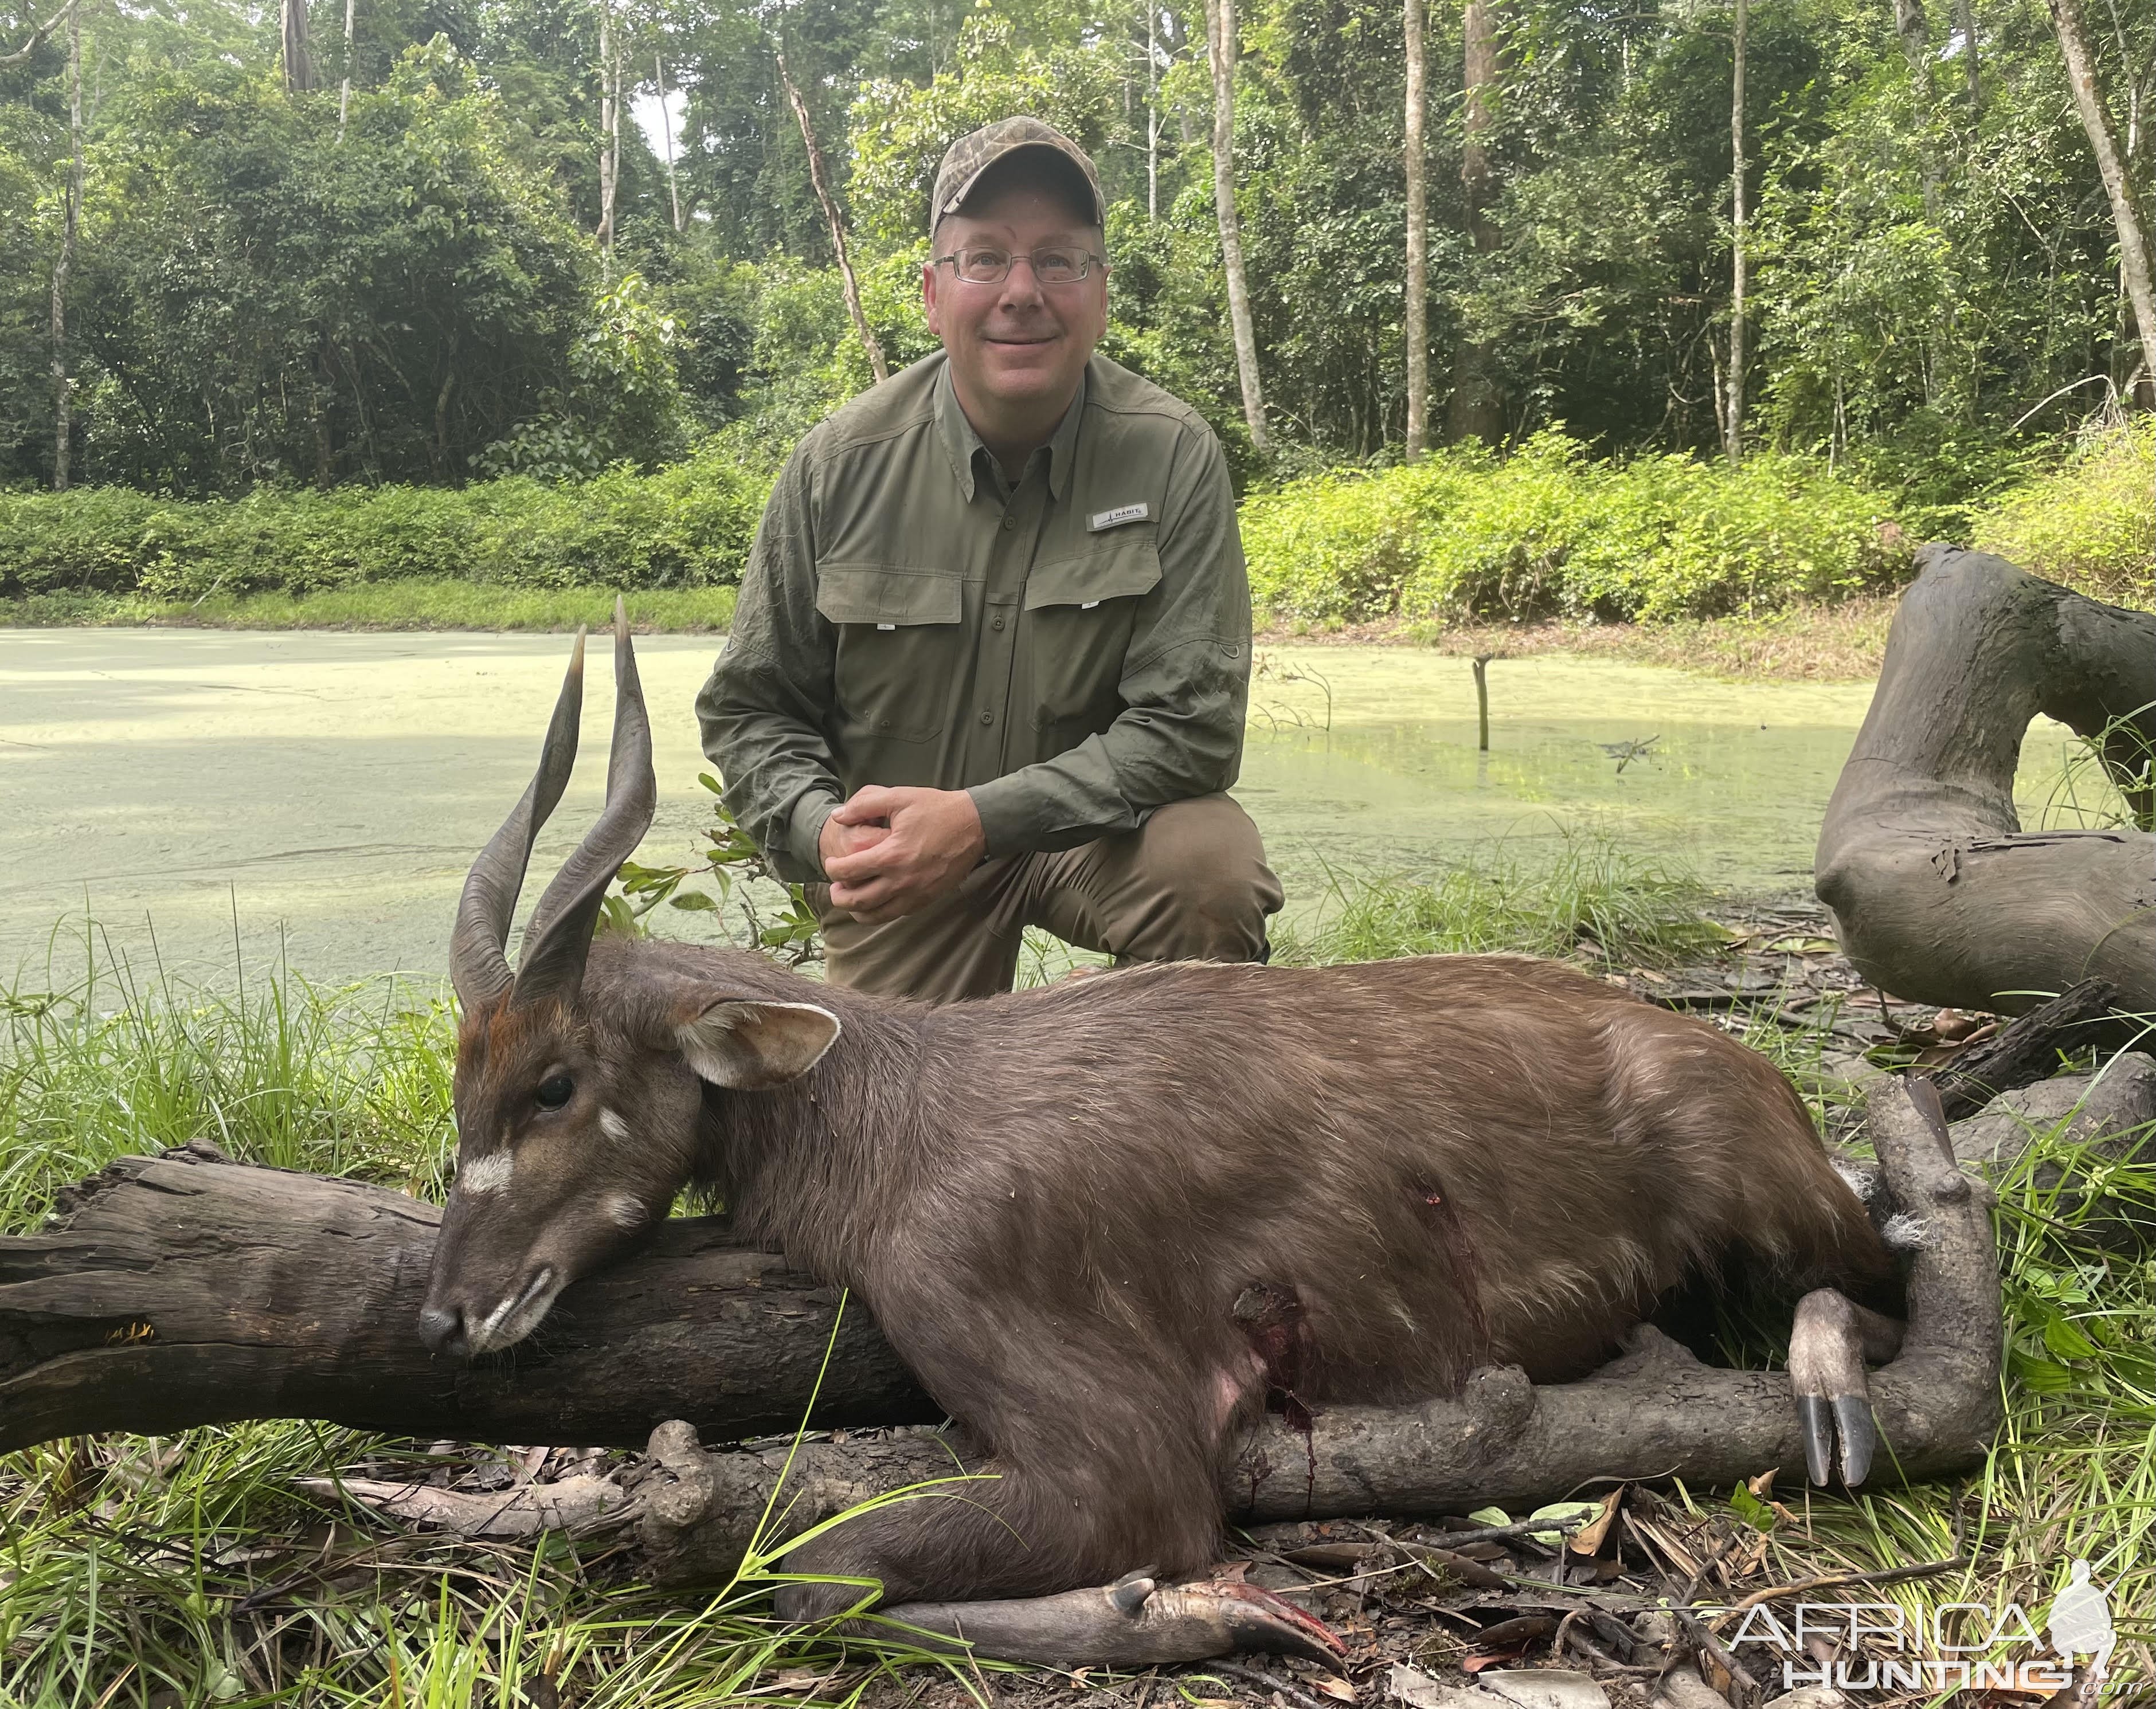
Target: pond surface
<point>215,797</point>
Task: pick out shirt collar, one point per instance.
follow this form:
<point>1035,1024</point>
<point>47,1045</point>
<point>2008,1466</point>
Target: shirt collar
<point>961,444</point>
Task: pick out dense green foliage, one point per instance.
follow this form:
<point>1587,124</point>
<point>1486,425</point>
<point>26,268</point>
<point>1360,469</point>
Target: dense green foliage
<point>687,526</point>
<point>2092,524</point>
<point>1549,532</point>
<point>1546,531</point>
<point>263,291</point>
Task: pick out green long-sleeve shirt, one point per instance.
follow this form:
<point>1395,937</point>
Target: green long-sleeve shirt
<point>1075,651</point>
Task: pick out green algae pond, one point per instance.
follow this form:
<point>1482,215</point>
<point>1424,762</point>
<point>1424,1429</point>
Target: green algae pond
<point>217,799</point>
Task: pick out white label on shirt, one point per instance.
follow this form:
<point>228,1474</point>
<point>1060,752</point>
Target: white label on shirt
<point>1089,605</point>
<point>887,625</point>
<point>1120,515</point>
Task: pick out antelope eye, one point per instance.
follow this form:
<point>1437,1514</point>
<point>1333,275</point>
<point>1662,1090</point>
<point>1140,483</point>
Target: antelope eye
<point>554,1093</point>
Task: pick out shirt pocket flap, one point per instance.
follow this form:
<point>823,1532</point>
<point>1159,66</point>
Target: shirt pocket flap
<point>1132,568</point>
<point>878,593</point>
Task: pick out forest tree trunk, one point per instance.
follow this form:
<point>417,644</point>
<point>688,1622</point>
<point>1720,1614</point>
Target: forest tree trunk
<point>344,83</point>
<point>1225,46</point>
<point>2129,213</point>
<point>64,263</point>
<point>1153,110</point>
<point>299,61</point>
<point>1732,409</point>
<point>820,181</point>
<point>1938,895</point>
<point>1972,75</point>
<point>666,130</point>
<point>609,132</point>
<point>1473,413</point>
<point>1414,323</point>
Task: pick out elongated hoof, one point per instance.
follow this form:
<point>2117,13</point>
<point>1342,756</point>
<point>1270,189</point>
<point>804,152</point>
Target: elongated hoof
<point>1135,1622</point>
<point>1828,1347</point>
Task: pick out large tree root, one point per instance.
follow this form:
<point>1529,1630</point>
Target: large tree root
<point>187,1290</point>
<point>1937,893</point>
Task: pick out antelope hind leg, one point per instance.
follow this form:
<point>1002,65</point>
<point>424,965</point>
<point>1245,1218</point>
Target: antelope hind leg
<point>1135,1622</point>
<point>1832,1339</point>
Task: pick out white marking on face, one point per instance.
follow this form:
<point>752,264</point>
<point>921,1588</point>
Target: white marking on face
<point>488,1174</point>
<point>612,1126</point>
<point>518,1316</point>
<point>623,1211</point>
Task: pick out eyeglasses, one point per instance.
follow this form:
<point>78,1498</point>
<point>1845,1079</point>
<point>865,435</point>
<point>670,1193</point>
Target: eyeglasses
<point>1056,264</point>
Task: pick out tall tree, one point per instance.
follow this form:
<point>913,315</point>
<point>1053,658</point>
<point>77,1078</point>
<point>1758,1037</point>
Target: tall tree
<point>299,62</point>
<point>70,216</point>
<point>1153,110</point>
<point>2136,262</point>
<point>820,179</point>
<point>344,82</point>
<point>1965,26</point>
<point>1732,409</point>
<point>1474,411</point>
<point>666,130</point>
<point>1415,324</point>
<point>609,129</point>
<point>1225,46</point>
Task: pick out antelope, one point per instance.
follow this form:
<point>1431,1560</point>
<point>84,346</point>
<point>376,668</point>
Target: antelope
<point>1105,1222</point>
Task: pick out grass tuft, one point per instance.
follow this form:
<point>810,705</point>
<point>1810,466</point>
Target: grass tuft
<point>120,1061</point>
<point>1591,900</point>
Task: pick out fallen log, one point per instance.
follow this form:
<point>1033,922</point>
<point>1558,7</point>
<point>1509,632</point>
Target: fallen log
<point>1937,893</point>
<point>187,1290</point>
<point>2027,1047</point>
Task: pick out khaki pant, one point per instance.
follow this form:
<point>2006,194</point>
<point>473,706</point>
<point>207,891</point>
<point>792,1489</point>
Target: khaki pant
<point>1191,884</point>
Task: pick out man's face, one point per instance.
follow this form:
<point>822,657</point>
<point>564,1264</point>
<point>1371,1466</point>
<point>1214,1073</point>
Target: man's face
<point>1018,345</point>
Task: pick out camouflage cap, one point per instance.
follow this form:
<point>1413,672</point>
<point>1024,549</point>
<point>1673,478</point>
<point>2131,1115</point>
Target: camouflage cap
<point>974,154</point>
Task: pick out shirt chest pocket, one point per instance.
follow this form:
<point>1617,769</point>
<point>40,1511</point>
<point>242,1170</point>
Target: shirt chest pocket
<point>897,663</point>
<point>1080,614</point>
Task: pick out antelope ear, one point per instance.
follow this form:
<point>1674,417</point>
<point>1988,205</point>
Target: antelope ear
<point>753,1046</point>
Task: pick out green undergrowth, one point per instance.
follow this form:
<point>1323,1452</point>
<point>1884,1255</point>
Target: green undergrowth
<point>1549,530</point>
<point>2091,523</point>
<point>1545,531</point>
<point>686,527</point>
<point>144,1572</point>
<point>416,604</point>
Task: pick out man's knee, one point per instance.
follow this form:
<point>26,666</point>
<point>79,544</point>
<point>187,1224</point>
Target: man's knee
<point>1199,888</point>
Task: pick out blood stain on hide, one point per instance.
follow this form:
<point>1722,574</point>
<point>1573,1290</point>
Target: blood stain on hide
<point>1272,1316</point>
<point>1456,1251</point>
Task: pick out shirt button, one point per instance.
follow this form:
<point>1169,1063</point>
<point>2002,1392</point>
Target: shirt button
<point>883,723</point>
<point>995,623</point>
<point>987,717</point>
<point>1010,522</point>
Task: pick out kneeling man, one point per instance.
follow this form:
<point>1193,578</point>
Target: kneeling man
<point>991,658</point>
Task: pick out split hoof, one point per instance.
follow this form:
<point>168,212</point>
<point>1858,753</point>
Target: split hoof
<point>1832,1338</point>
<point>1135,1622</point>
